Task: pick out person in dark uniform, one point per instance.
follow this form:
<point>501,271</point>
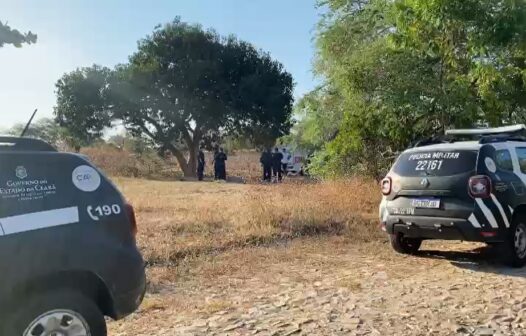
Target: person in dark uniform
<point>200,164</point>
<point>266,162</point>
<point>220,164</point>
<point>214,161</point>
<point>276,164</point>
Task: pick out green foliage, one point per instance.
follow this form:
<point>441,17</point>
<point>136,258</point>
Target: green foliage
<point>82,106</point>
<point>184,86</point>
<point>479,44</point>
<point>320,115</point>
<point>233,143</point>
<point>408,69</point>
<point>14,37</point>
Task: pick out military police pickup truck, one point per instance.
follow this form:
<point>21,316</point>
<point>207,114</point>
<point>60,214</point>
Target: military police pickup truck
<point>68,255</point>
<point>467,185</point>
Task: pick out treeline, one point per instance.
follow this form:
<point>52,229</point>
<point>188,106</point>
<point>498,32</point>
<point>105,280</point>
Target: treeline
<point>120,153</point>
<point>397,71</point>
<point>49,130</point>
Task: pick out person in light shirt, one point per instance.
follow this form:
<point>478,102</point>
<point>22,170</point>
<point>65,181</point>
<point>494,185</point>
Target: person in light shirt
<point>285,160</point>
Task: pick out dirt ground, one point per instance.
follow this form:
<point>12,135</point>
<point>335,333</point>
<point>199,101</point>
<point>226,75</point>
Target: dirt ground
<point>330,284</point>
<point>332,287</point>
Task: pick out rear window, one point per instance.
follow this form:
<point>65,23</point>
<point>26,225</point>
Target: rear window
<point>435,163</point>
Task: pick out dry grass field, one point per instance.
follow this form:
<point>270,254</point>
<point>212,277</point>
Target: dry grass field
<point>298,258</point>
<point>179,221</point>
<point>193,233</point>
<point>304,258</point>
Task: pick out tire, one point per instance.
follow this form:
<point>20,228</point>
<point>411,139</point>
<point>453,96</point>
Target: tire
<point>404,245</point>
<point>514,249</point>
<point>68,308</point>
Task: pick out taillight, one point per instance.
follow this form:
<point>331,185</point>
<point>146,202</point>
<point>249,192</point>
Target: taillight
<point>131,215</point>
<point>386,186</point>
<point>488,234</point>
<point>479,186</point>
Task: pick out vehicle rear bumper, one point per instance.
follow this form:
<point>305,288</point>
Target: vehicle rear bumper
<point>440,228</point>
<point>126,303</point>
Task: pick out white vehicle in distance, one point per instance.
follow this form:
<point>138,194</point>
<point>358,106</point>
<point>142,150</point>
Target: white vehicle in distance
<point>296,162</point>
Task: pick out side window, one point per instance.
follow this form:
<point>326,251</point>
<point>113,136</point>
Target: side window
<point>521,155</point>
<point>503,159</point>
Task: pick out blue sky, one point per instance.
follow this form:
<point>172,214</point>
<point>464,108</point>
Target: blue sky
<point>82,33</point>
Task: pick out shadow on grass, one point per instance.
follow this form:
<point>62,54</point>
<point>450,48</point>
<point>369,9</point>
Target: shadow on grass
<point>207,179</point>
<point>252,241</point>
<point>486,259</point>
<point>287,234</point>
<point>231,179</point>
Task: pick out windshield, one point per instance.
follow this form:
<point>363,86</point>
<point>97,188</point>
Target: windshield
<point>435,163</point>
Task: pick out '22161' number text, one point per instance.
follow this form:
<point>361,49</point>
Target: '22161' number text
<point>429,165</point>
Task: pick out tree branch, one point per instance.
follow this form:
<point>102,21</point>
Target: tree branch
<point>180,157</point>
<point>147,132</point>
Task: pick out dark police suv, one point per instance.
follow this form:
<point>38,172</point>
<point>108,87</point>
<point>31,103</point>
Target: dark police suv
<point>467,185</point>
<point>68,255</point>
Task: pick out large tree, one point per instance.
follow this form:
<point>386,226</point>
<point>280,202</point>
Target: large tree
<point>14,37</point>
<point>406,69</point>
<point>475,45</point>
<point>183,87</point>
<point>82,104</point>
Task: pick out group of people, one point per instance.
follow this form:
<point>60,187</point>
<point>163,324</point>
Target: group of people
<point>274,164</point>
<point>219,162</point>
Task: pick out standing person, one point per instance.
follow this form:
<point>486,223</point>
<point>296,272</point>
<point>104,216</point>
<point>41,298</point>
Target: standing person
<point>214,161</point>
<point>276,164</point>
<point>285,161</point>
<point>219,160</point>
<point>200,164</point>
<point>266,162</point>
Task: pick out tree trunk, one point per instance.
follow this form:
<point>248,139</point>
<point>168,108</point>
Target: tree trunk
<point>187,170</point>
<point>192,160</point>
<point>189,167</point>
<point>192,143</point>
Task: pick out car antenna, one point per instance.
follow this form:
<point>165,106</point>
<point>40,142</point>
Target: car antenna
<point>28,123</point>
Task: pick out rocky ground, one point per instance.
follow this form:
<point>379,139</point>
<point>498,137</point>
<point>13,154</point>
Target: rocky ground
<point>332,287</point>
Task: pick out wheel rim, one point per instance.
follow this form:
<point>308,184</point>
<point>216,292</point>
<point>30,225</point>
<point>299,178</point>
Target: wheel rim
<point>520,241</point>
<point>58,323</point>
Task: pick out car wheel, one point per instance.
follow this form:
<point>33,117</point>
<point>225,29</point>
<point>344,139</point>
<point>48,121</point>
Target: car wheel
<point>64,313</point>
<point>404,245</point>
<point>515,246</point>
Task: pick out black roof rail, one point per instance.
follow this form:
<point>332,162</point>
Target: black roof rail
<point>501,138</point>
<point>13,144</point>
<point>482,135</point>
